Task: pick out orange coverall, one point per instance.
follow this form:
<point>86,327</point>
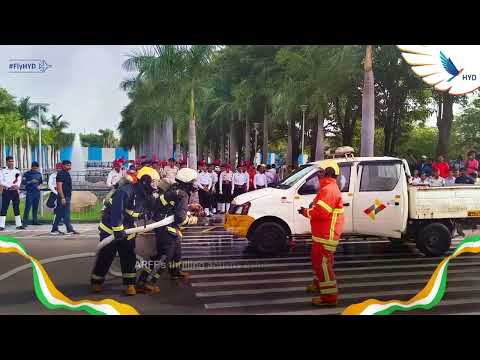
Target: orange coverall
<point>326,219</point>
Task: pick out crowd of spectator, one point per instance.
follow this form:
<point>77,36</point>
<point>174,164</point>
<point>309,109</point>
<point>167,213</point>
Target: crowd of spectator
<point>444,173</point>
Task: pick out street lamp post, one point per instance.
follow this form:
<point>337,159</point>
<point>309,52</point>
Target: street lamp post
<point>303,108</point>
<point>40,157</point>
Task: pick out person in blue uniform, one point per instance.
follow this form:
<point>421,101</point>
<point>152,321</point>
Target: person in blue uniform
<point>32,180</point>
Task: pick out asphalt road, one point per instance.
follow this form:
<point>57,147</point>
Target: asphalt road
<point>229,278</point>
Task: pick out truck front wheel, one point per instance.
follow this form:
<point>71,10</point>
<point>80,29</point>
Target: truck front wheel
<point>269,238</point>
<point>434,239</point>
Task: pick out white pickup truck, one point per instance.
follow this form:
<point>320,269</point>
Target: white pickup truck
<point>378,201</point>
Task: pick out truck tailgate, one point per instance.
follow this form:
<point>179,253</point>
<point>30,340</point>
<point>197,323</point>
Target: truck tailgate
<point>444,202</point>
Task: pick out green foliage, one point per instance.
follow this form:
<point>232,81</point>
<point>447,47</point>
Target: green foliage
<point>466,129</point>
<point>91,140</point>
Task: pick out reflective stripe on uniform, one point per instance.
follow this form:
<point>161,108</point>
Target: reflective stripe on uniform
<point>172,229</point>
<point>308,213</point>
<point>325,241</point>
<point>105,228</point>
<point>332,226</point>
<point>162,200</point>
<point>328,291</point>
<point>132,213</point>
<point>118,228</point>
<point>325,205</point>
<point>129,275</point>
<point>131,236</point>
<point>330,248</point>
<point>325,269</point>
<point>327,283</point>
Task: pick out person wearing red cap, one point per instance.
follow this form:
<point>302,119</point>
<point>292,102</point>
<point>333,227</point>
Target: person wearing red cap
<point>218,198</point>
<point>115,175</point>
<point>204,181</point>
<point>241,181</point>
<point>214,176</point>
<point>226,178</point>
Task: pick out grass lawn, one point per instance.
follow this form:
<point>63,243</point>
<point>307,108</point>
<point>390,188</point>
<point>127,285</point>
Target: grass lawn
<point>90,214</point>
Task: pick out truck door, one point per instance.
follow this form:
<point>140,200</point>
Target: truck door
<point>309,190</point>
<point>346,183</point>
<point>304,197</point>
<point>380,207</point>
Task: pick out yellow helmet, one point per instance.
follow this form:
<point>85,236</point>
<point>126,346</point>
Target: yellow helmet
<point>330,163</point>
<point>146,170</point>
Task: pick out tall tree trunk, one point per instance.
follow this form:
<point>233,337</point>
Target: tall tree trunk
<point>222,145</point>
<point>444,122</point>
<point>233,143</point>
<point>248,156</point>
<point>320,148</point>
<point>29,150</point>
<point>368,106</point>
<point>289,141</point>
<point>265,136</point>
<point>168,138</point>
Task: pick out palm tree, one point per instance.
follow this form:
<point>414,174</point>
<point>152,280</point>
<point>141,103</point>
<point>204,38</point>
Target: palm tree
<point>57,126</point>
<point>109,139</point>
<point>196,60</point>
<point>29,112</point>
<point>368,106</point>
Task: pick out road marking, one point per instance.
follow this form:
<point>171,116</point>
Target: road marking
<point>307,299</point>
<point>309,271</point>
<point>45,261</point>
<point>306,264</point>
<point>307,279</point>
<point>207,230</point>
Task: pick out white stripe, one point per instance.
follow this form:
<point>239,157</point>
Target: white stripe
<point>361,276</point>
<point>307,299</point>
<point>108,309</point>
<point>44,261</point>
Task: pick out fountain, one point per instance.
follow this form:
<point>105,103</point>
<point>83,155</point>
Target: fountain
<point>78,162</point>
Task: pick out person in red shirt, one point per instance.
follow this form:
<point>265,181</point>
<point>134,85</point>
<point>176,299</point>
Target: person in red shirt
<point>326,219</point>
<point>251,173</point>
<point>471,164</point>
<point>442,166</point>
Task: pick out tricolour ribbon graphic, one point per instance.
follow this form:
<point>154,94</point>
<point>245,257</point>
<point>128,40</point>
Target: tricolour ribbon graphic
<point>428,297</point>
<point>53,299</point>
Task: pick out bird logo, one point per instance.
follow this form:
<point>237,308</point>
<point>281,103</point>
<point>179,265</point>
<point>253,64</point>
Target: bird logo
<point>449,66</point>
<point>434,64</point>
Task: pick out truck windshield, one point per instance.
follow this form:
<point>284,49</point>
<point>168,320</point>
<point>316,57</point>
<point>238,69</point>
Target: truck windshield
<point>295,176</point>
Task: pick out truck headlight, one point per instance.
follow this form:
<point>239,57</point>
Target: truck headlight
<point>239,209</point>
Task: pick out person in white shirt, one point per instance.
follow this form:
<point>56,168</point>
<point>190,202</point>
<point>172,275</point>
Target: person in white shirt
<point>10,180</point>
<point>214,176</point>
<point>260,179</point>
<point>52,179</point>
<point>240,181</point>
<point>115,175</point>
<point>226,178</point>
<point>436,180</point>
<point>450,179</point>
<point>204,181</point>
<point>170,170</point>
<point>423,180</point>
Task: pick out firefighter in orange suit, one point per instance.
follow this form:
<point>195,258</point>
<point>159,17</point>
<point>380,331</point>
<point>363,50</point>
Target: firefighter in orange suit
<point>326,219</point>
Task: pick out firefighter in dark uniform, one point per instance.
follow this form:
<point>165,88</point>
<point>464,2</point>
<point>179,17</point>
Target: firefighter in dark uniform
<point>168,238</point>
<point>128,203</point>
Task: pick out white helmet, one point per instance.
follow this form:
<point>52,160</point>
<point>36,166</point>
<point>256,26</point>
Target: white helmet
<point>186,175</point>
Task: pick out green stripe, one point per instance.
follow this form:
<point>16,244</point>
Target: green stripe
<point>41,296</point>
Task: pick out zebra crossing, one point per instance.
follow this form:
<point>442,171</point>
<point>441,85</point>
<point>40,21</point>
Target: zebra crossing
<point>229,278</point>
